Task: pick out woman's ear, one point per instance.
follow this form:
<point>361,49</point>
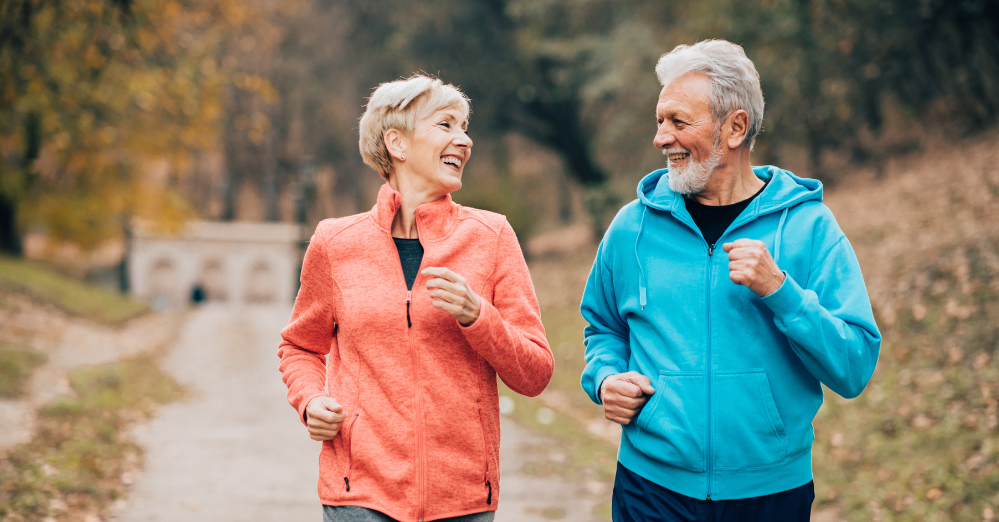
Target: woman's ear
<point>738,126</point>
<point>396,144</point>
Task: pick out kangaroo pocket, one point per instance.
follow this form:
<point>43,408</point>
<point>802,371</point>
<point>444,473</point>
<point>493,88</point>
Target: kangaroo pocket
<point>670,428</point>
<point>748,430</point>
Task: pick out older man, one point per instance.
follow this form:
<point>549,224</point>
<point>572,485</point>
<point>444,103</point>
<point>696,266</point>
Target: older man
<point>713,358</point>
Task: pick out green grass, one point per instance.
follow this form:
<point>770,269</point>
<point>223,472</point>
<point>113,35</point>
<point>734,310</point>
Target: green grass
<point>15,370</point>
<point>75,461</point>
<point>73,296</point>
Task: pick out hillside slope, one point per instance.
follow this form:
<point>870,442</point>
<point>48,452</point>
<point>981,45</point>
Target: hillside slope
<point>922,443</point>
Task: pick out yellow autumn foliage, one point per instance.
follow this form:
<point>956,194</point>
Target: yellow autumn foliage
<point>95,92</point>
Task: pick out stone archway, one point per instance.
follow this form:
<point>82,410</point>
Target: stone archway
<point>213,280</point>
<point>163,283</point>
<point>260,287</point>
<point>234,262</point>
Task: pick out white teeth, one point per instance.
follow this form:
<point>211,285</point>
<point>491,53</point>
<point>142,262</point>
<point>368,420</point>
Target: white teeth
<point>451,160</point>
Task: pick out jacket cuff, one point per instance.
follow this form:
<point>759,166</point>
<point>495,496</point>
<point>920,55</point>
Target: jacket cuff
<point>305,404</point>
<point>598,381</point>
<point>787,301</point>
<point>478,332</point>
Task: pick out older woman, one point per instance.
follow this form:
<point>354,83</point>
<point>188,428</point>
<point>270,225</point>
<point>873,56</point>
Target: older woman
<point>417,305</point>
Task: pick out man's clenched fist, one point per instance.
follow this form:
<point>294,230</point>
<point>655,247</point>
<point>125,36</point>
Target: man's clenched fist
<point>323,416</point>
<point>624,395</point>
<point>750,265</point>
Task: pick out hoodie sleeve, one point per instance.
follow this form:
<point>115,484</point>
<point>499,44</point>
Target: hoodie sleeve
<point>309,336</point>
<point>508,333</point>
<point>607,335</point>
<point>829,322</point>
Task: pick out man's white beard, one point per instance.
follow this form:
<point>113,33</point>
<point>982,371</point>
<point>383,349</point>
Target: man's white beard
<point>695,176</point>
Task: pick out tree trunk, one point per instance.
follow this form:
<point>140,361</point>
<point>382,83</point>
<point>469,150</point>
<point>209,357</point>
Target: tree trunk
<point>10,238</point>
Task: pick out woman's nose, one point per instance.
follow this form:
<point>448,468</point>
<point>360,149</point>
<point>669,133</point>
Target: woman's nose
<point>463,140</point>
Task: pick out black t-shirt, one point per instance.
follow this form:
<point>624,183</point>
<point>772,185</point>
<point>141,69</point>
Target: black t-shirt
<point>714,220</point>
<point>411,255</point>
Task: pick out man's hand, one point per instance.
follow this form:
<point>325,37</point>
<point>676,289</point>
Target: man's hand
<point>323,416</point>
<point>451,293</point>
<point>624,395</point>
<point>750,265</point>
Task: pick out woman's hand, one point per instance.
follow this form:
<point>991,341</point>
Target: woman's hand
<point>323,416</point>
<point>451,293</point>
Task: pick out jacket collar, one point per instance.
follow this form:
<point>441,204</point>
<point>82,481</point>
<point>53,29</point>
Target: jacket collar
<point>433,219</point>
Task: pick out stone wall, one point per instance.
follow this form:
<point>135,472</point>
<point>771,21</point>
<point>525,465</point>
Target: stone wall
<point>235,262</point>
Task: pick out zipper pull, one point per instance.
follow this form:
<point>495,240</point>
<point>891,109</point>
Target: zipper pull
<point>347,482</point>
<point>409,299</point>
<point>489,499</point>
<point>711,250</point>
<point>709,498</point>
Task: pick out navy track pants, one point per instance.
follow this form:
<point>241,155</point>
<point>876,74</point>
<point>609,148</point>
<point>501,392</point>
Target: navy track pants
<point>639,500</point>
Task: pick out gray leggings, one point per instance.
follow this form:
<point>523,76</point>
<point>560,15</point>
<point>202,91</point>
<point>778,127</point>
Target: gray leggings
<point>360,514</point>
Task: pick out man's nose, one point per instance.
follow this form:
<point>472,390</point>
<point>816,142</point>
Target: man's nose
<point>664,137</point>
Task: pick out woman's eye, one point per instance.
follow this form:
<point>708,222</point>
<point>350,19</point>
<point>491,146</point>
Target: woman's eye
<point>445,124</point>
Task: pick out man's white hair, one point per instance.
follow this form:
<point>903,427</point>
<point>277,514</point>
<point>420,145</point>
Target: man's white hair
<point>399,105</point>
<point>735,84</point>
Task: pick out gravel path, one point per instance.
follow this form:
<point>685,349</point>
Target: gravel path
<point>236,452</point>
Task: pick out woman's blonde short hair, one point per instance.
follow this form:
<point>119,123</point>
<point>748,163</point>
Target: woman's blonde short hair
<point>399,105</point>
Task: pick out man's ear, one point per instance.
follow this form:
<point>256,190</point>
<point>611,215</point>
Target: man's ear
<point>396,144</point>
<point>738,125</point>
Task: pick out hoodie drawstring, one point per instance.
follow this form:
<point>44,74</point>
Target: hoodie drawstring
<point>641,271</point>
<point>780,229</point>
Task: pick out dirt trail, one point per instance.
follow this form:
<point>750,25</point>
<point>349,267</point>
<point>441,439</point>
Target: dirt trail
<point>235,450</point>
<point>68,342</point>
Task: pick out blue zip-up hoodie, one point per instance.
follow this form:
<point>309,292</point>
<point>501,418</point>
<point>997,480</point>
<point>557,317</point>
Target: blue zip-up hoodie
<point>737,377</point>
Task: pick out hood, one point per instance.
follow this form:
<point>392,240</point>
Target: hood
<point>782,192</point>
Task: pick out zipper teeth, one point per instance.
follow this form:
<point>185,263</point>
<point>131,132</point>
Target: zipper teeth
<point>708,365</point>
<point>417,420</point>
<point>488,456</point>
<point>419,425</point>
<point>350,450</point>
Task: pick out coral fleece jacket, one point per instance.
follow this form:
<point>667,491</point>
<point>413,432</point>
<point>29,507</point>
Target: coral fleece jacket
<point>421,435</point>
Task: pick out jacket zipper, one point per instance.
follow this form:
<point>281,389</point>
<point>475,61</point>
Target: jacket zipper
<point>419,422</point>
<point>409,299</point>
<point>418,413</point>
<point>711,251</point>
<point>350,451</point>
<point>485,451</point>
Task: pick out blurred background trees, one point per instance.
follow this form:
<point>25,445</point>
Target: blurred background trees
<point>167,110</point>
<point>111,109</point>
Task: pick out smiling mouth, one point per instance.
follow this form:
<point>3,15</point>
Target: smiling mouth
<point>675,156</point>
<point>453,161</point>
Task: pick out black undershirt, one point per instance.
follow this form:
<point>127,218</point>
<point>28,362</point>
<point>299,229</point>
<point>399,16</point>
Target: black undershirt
<point>411,255</point>
<point>714,220</point>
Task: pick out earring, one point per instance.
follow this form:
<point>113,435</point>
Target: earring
<point>403,157</point>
